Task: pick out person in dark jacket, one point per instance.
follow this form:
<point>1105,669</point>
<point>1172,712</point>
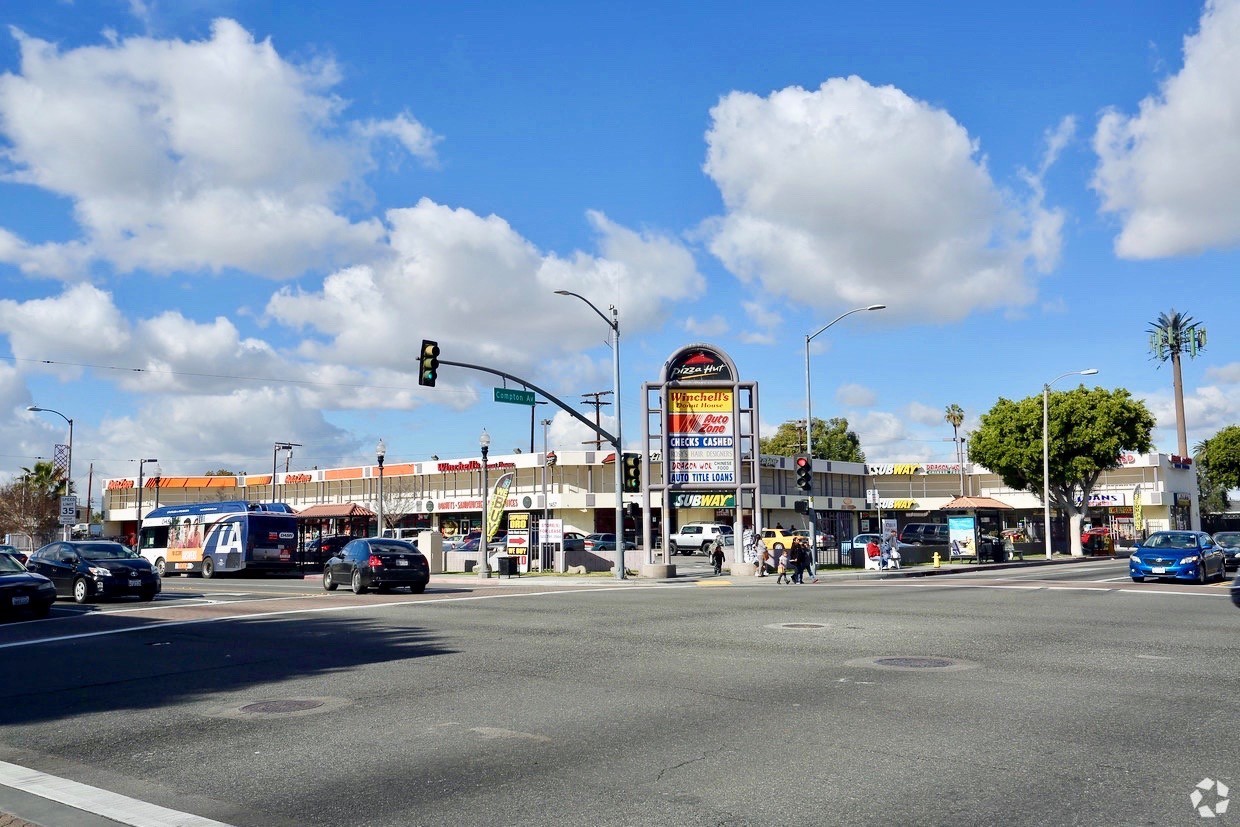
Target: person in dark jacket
<point>716,557</point>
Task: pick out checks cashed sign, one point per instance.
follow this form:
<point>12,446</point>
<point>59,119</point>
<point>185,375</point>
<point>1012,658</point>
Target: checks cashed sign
<point>701,437</point>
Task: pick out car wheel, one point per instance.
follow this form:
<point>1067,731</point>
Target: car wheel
<point>417,589</point>
<point>208,568</point>
<point>706,549</point>
<point>160,567</point>
<point>81,591</point>
<point>358,586</point>
<point>328,584</point>
<point>1201,573</point>
<point>1136,578</point>
<point>147,595</point>
<point>777,547</point>
<point>672,548</point>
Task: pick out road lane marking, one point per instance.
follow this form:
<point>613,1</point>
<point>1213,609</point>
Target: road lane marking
<point>119,808</point>
<point>320,610</point>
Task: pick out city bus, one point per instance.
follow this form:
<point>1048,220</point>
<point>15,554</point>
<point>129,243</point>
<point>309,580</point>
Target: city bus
<point>218,537</point>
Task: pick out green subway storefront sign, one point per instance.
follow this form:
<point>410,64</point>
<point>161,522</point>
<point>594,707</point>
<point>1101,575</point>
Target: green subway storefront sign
<point>704,499</point>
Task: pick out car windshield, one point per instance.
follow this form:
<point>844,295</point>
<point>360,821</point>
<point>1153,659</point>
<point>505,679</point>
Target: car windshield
<point>104,551</point>
<point>1228,538</point>
<point>1172,541</point>
<point>10,565</point>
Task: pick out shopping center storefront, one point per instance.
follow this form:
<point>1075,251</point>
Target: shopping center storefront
<point>1147,492</point>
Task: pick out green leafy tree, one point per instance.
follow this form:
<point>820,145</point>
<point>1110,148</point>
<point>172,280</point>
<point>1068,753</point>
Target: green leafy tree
<point>832,440</point>
<point>222,472</point>
<point>1218,469</point>
<point>30,504</point>
<point>1088,430</point>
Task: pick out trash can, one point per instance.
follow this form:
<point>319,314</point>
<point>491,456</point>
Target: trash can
<point>998,553</point>
<point>506,565</point>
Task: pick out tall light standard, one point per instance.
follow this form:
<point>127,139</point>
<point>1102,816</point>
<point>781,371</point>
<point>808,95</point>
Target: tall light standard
<point>157,477</point>
<point>279,446</point>
<point>809,425</point>
<point>141,469</point>
<point>1046,453</point>
<point>484,570</point>
<point>614,324</point>
<point>380,453</point>
<point>69,464</point>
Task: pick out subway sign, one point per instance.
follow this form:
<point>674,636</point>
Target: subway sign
<point>712,499</point>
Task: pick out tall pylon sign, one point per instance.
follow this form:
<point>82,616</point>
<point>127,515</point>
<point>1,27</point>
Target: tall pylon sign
<point>705,430</point>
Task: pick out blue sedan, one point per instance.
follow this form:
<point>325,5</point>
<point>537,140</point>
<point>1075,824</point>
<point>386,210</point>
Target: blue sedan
<point>1178,555</point>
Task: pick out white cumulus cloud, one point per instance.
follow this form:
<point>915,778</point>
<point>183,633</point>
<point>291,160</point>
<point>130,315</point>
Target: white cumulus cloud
<point>1172,172</point>
<point>853,194</point>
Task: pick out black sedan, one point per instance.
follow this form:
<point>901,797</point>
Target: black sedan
<point>379,564</point>
<point>23,591</point>
<point>1229,541</point>
<point>88,570</point>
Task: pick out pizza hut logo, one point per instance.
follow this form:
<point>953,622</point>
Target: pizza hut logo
<point>698,363</point>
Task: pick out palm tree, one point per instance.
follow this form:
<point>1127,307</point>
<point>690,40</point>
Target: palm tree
<point>44,478</point>
<point>1170,335</point>
<point>955,415</point>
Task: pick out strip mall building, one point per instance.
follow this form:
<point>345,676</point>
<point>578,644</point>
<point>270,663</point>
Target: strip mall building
<point>578,487</point>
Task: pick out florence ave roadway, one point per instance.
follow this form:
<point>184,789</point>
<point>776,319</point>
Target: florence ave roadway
<point>1061,695</point>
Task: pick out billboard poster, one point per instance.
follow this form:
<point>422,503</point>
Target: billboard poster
<point>701,436</point>
<point>962,536</point>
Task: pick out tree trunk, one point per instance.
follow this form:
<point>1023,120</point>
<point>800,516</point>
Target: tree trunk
<point>1074,526</point>
<point>1178,387</point>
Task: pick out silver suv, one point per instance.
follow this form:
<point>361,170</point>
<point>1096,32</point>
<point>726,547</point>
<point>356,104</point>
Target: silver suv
<point>694,537</point>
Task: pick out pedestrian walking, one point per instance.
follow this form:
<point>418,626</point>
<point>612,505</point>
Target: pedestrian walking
<point>764,561</point>
<point>716,557</point>
<point>783,568</point>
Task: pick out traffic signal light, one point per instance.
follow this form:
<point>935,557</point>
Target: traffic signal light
<point>428,363</point>
<point>632,473</point>
<point>805,473</point>
<point>801,506</point>
<point>633,511</point>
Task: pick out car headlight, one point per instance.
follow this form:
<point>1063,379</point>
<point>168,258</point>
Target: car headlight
<point>1192,558</point>
<point>1132,558</point>
<point>99,571</point>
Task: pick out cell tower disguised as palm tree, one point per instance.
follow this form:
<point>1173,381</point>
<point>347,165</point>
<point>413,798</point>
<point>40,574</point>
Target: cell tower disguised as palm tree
<point>1170,335</point>
<point>954,414</point>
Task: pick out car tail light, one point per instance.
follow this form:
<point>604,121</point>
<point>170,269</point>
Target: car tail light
<point>374,562</point>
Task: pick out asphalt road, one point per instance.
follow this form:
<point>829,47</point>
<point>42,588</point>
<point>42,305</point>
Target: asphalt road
<point>1048,696</point>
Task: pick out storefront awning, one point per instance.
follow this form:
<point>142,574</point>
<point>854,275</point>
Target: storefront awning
<point>334,511</point>
<point>976,503</point>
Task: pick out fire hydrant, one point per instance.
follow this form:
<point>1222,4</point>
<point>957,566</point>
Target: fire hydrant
<point>937,559</point>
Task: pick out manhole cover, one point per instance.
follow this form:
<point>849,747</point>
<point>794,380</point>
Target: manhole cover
<point>804,626</point>
<point>280,707</point>
<point>914,663</point>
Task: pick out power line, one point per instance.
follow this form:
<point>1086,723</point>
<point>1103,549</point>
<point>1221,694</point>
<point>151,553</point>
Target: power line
<point>595,400</point>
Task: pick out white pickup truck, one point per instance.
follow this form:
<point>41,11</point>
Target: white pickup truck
<point>692,538</point>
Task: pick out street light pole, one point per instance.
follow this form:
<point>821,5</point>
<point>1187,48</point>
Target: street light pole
<point>69,464</point>
<point>158,475</point>
<point>484,569</point>
<point>809,426</point>
<point>614,324</point>
<point>380,452</point>
<point>141,467</point>
<point>1046,454</point>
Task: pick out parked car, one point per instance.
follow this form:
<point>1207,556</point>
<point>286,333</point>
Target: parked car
<point>605,542</point>
<point>777,539</point>
<point>692,538</point>
<point>822,539</point>
<point>321,549</point>
<point>88,570</point>
<point>451,542</point>
<point>1179,555</point>
<point>24,591</point>
<point>925,534</point>
<point>574,541</point>
<point>726,542</point>
<point>498,544</point>
<point>377,563</point>
<point>16,553</point>
<point>1229,541</point>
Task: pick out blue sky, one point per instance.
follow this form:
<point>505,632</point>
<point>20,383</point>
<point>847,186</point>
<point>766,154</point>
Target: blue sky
<point>229,224</point>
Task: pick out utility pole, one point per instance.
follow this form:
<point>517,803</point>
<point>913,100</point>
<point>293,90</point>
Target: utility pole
<point>595,400</point>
